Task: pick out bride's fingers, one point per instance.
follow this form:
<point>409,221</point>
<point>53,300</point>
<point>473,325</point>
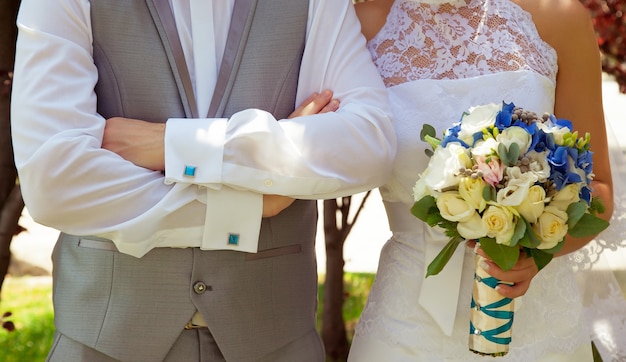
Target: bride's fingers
<point>316,103</point>
<point>513,291</point>
<point>516,281</point>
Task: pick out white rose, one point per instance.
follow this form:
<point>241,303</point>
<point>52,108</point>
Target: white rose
<point>566,196</point>
<point>498,223</point>
<point>472,228</point>
<point>515,134</point>
<point>471,190</point>
<point>532,206</point>
<point>557,132</point>
<point>485,148</point>
<point>453,208</point>
<point>538,164</point>
<point>516,188</point>
<point>420,190</point>
<point>477,119</point>
<point>551,227</point>
<point>444,165</point>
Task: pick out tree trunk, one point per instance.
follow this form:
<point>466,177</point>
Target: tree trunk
<point>8,174</point>
<point>337,226</point>
<point>9,217</point>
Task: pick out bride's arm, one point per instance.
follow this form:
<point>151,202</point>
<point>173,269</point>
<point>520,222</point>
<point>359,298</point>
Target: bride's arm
<point>579,99</point>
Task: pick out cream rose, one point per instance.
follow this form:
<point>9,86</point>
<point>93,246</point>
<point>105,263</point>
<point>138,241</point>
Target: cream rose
<point>533,204</point>
<point>471,190</point>
<point>566,196</point>
<point>472,228</point>
<point>453,208</point>
<point>498,223</point>
<point>515,135</point>
<point>551,227</point>
<point>516,188</point>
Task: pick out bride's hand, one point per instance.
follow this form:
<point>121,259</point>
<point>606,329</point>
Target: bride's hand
<point>520,275</point>
<point>316,103</point>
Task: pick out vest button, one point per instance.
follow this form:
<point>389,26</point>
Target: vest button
<point>199,287</point>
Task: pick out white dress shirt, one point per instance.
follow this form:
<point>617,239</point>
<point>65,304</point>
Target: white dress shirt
<point>70,183</point>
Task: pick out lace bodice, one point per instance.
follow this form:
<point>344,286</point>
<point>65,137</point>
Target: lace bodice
<point>474,38</point>
<point>504,60</point>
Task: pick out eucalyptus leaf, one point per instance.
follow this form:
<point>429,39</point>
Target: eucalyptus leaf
<point>443,257</point>
<point>503,255</point>
<point>588,225</point>
<point>503,154</point>
<point>487,194</point>
<point>513,154</point>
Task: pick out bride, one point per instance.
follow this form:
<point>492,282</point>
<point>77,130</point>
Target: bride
<point>438,58</point>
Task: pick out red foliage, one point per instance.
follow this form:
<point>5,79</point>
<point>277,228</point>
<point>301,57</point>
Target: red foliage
<point>609,20</point>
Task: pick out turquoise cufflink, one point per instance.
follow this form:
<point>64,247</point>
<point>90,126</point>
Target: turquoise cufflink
<point>190,171</point>
<point>233,239</point>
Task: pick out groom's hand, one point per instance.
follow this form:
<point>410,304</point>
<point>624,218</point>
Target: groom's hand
<point>137,141</point>
<point>316,103</point>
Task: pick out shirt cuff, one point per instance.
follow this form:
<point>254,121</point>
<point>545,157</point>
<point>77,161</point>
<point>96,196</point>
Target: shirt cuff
<point>194,150</point>
<point>233,220</point>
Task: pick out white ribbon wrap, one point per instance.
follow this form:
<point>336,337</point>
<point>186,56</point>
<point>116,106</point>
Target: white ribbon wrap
<point>439,294</point>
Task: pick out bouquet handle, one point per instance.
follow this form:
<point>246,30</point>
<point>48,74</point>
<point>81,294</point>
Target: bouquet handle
<point>491,317</point>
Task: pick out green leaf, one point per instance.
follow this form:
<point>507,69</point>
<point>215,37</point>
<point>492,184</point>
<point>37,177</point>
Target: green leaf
<point>427,130</point>
<point>540,257</point>
<point>556,249</point>
<point>421,208</point>
<point>520,230</point>
<point>503,255</point>
<point>588,225</point>
<point>574,212</point>
<point>597,205</point>
<point>530,239</point>
<point>443,257</point>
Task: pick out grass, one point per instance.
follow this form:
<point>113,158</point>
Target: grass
<point>29,299</point>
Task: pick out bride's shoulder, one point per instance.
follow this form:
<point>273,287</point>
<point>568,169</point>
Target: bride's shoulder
<point>558,22</point>
<point>372,15</point>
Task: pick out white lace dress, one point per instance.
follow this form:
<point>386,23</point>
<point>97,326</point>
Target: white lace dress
<point>437,61</point>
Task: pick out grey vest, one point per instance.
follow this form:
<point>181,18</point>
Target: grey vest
<point>134,309</point>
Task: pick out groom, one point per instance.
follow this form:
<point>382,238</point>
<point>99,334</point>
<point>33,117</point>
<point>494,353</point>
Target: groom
<point>164,252</point>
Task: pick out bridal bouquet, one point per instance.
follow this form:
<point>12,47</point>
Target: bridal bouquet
<point>516,182</point>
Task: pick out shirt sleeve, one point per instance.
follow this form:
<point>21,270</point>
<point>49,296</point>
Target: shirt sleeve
<point>313,157</point>
<point>68,181</point>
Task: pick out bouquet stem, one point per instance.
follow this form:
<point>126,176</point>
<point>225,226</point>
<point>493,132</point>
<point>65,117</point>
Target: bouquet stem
<point>491,316</point>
